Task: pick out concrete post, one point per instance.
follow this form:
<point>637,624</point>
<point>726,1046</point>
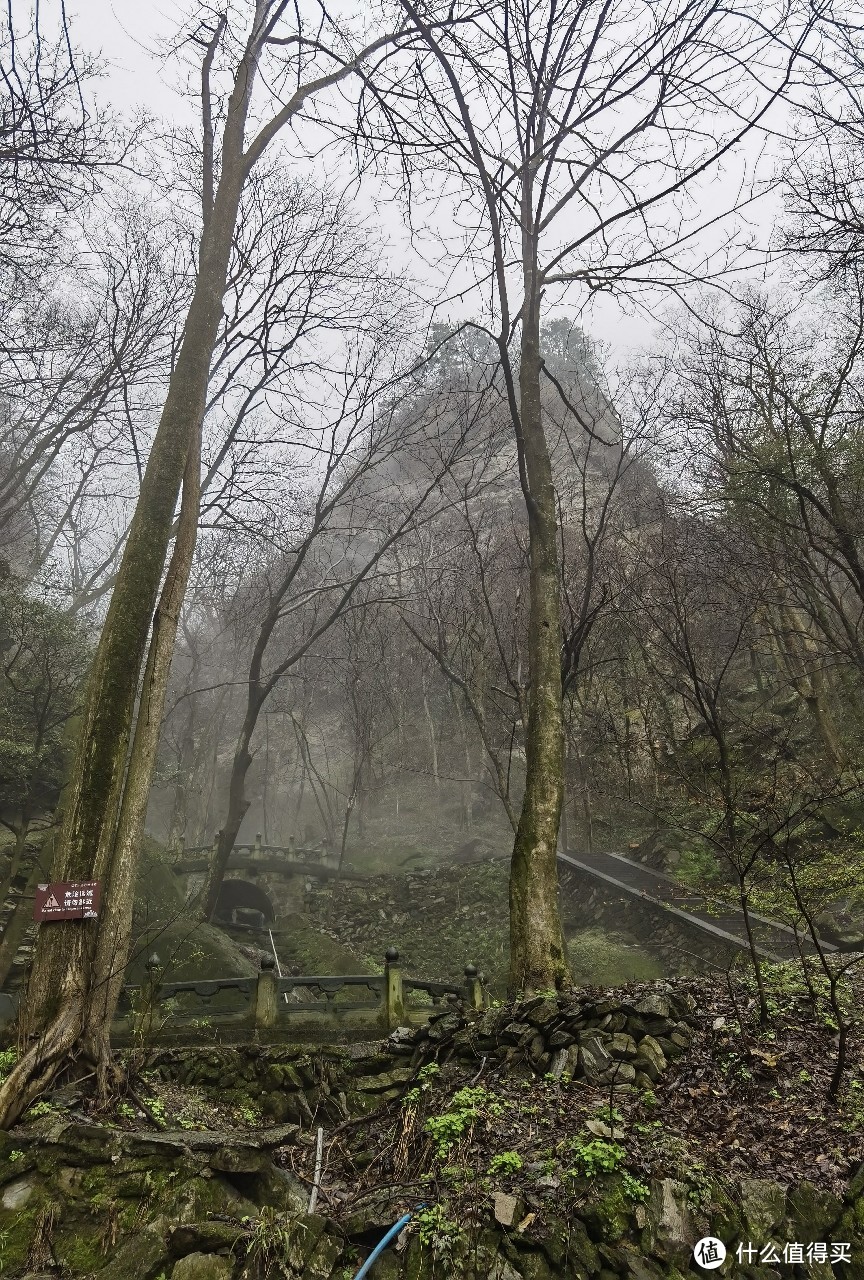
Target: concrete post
<point>473,987</point>
<point>257,844</point>
<point>266,995</point>
<point>394,1002</point>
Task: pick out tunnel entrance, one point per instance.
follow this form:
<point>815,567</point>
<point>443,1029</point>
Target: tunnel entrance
<point>241,902</point>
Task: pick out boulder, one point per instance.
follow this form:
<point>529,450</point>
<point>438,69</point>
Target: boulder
<point>202,1237</point>
<point>16,1194</point>
<point>764,1206</point>
<point>670,1218</point>
<point>650,1058</point>
<point>653,1005</point>
<point>507,1209</point>
<point>594,1058</point>
<point>202,1266</point>
<point>622,1045</point>
<point>143,1256</point>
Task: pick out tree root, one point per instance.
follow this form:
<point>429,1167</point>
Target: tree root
<point>37,1067</point>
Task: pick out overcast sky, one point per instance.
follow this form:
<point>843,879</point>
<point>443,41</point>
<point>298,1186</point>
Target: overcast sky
<point>127,34</point>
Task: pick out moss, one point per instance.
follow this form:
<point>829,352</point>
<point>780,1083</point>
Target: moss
<point>81,1247</point>
<point>608,1217</point>
<point>302,948</point>
<point>599,958</point>
<point>17,1232</point>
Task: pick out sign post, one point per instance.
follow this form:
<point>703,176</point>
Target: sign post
<point>67,900</point>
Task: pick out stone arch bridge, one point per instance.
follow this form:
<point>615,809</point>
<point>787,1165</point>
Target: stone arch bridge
<point>263,882</point>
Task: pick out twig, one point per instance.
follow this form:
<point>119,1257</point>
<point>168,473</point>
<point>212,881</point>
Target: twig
<point>319,1152</point>
<point>476,1077</point>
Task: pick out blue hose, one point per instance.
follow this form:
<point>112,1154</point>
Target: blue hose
<point>382,1245</point>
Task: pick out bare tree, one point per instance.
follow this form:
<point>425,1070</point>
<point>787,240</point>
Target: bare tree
<point>66,1003</point>
<point>357,513</point>
<point>567,137</point>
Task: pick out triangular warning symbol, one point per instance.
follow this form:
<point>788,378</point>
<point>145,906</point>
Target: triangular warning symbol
<point>52,902</point>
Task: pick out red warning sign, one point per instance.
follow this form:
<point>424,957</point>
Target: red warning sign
<point>68,900</point>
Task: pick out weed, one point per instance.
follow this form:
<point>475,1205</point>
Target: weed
<point>425,1077</point>
<point>467,1106</point>
<point>633,1189</point>
<point>436,1230</point>
<point>39,1109</point>
<point>505,1162</point>
<point>597,1156</point>
<point>268,1243</point>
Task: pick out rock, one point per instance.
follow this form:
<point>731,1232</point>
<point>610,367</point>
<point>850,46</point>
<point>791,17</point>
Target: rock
<point>202,1266</point>
<point>534,1267</point>
<point>401,1035</point>
<point>602,1130</point>
<point>620,1073</point>
<point>518,1032</point>
<point>202,1237</point>
<point>238,1160</point>
<point>143,1256</point>
<point>593,1056</point>
<point>558,1065</point>
<point>764,1206</point>
<point>650,1058</point>
<point>444,1026</point>
<point>653,1005</point>
<point>537,1048</point>
<point>622,1045</point>
<point>16,1194</point>
<point>856,1185</point>
<point>542,1013</point>
<point>640,1268</point>
<point>814,1212</point>
<point>560,1039</point>
<point>670,1215</point>
<point>503,1270</point>
<point>507,1209</point>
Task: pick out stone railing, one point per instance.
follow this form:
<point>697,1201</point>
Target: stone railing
<point>257,851</point>
<point>269,1008</point>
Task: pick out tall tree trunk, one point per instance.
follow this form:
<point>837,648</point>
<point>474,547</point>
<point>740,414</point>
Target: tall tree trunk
<point>537,954</point>
<point>237,806</point>
<point>21,833</point>
<point>179,821</point>
<point>433,742</point>
<point>112,950</point>
<point>52,1019</point>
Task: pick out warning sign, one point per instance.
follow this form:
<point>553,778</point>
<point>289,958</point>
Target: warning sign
<point>68,900</point>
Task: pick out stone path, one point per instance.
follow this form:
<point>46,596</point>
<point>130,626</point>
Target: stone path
<point>774,941</point>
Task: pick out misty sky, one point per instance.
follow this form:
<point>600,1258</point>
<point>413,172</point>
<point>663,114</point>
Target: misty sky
<point>128,36</point>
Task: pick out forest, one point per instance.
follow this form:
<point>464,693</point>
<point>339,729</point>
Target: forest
<point>432,607</point>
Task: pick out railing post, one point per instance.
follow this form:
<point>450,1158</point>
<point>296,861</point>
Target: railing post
<point>150,989</point>
<point>394,1002</point>
<point>473,987</point>
<point>266,995</point>
<point>257,844</point>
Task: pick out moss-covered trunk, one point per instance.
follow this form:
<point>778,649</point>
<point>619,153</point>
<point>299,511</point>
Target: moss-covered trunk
<point>537,954</point>
<point>52,1023</point>
<point>112,947</point>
